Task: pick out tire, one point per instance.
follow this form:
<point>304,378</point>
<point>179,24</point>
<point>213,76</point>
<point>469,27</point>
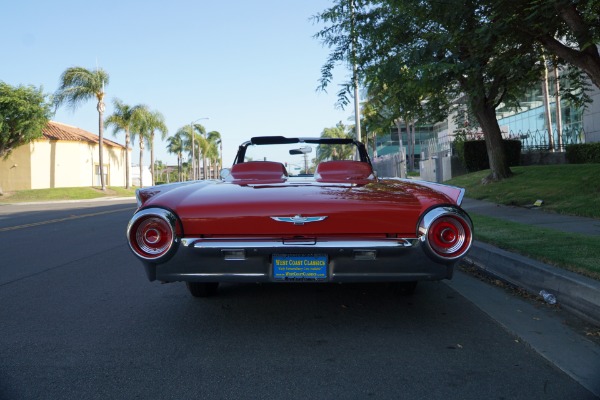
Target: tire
<point>202,289</point>
<point>404,288</point>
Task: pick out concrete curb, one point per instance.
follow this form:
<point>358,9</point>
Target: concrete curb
<point>575,293</point>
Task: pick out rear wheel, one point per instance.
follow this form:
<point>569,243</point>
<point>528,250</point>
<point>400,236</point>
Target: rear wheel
<point>404,288</point>
<point>202,289</point>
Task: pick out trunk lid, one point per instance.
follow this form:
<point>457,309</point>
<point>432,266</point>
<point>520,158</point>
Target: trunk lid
<point>391,207</point>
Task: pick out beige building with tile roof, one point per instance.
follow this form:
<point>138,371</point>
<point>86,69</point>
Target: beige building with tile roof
<point>65,156</point>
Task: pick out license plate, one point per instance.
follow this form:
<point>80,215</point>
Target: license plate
<point>300,267</point>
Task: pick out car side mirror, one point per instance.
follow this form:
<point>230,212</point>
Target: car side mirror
<point>225,173</point>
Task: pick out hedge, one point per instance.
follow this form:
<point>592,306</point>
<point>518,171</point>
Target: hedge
<point>583,153</point>
<point>476,157</point>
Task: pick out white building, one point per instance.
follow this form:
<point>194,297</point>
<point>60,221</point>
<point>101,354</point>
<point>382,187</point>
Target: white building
<point>65,156</point>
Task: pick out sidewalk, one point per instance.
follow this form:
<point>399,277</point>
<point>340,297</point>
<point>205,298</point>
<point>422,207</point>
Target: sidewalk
<point>534,216</point>
<point>574,292</point>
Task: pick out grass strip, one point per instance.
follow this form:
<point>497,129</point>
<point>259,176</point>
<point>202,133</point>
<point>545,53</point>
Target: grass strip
<point>75,193</point>
<point>572,189</point>
<point>574,252</point>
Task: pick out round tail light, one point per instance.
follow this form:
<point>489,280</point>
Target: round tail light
<point>151,233</point>
<point>447,232</point>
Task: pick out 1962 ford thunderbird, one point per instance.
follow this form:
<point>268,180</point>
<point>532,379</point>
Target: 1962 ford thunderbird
<point>299,210</point>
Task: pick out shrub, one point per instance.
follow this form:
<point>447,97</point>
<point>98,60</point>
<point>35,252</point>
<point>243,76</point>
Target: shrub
<point>476,157</point>
<point>583,153</point>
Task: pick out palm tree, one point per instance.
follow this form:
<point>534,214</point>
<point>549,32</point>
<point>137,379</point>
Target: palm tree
<point>193,135</point>
<point>121,120</point>
<point>214,139</point>
<point>78,84</point>
<point>210,152</point>
<point>186,142</point>
<point>139,131</point>
<point>200,145</point>
<point>147,123</point>
<point>161,168</point>
<point>175,146</point>
<point>155,122</point>
<point>338,151</point>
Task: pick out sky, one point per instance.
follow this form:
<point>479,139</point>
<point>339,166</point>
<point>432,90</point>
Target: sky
<point>251,67</point>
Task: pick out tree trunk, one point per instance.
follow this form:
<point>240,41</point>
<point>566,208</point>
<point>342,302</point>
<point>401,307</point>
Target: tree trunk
<point>127,164</point>
<point>587,57</point>
<point>152,170</point>
<point>413,144</point>
<point>141,161</point>
<point>547,114</point>
<point>486,116</point>
<point>374,145</point>
<point>179,166</point>
<point>400,147</point>
<point>558,107</point>
<point>204,174</point>
<point>220,158</point>
<point>101,142</point>
<point>587,60</point>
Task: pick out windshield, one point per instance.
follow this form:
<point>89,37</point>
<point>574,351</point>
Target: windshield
<point>300,159</point>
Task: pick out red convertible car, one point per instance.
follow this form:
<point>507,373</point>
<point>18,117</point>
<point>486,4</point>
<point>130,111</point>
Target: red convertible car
<point>299,210</point>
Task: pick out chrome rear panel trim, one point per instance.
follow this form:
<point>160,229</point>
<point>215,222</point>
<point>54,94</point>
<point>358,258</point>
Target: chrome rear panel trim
<point>201,243</point>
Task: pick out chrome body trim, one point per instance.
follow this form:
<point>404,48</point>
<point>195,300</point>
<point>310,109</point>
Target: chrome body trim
<point>167,216</point>
<point>282,244</point>
<point>299,219</point>
<point>436,213</point>
<point>461,197</point>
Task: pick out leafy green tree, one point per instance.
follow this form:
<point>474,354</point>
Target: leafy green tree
<point>569,29</point>
<point>77,85</point>
<point>373,123</point>
<point>122,120</point>
<point>398,95</point>
<point>24,112</point>
<point>450,48</point>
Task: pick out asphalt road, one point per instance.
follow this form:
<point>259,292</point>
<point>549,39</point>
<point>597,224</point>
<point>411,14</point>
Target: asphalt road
<point>79,320</point>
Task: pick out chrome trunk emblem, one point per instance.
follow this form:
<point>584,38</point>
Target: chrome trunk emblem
<point>298,219</point>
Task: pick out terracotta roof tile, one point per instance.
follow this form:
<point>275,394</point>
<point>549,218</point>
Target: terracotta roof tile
<point>58,131</point>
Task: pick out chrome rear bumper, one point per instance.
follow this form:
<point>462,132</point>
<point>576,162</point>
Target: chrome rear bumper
<point>250,260</point>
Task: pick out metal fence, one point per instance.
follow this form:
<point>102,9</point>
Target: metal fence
<point>539,140</point>
<point>433,147</point>
<point>392,165</point>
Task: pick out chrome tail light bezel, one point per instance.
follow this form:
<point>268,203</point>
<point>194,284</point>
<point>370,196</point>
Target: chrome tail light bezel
<point>152,234</point>
<point>446,233</point>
